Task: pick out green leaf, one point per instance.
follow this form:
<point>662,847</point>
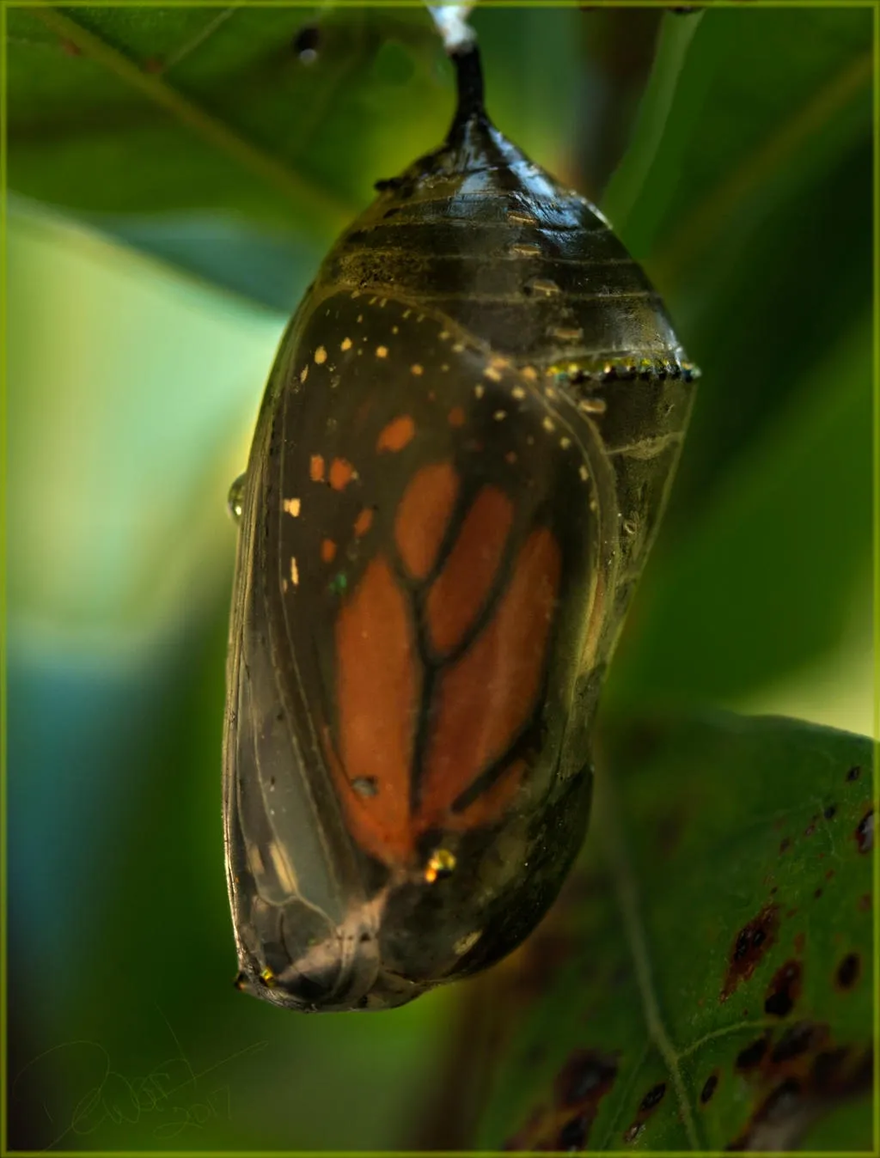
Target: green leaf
<point>114,109</point>
<point>130,424</point>
<point>711,960</point>
<point>747,193</point>
<point>764,577</point>
<point>733,123</point>
<point>754,216</point>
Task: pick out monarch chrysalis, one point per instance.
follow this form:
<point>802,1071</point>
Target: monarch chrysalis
<point>458,467</point>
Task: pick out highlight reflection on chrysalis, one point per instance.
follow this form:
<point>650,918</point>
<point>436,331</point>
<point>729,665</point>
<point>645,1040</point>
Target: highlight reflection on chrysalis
<point>460,462</point>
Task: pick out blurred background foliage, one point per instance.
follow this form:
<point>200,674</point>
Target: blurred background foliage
<point>175,176</point>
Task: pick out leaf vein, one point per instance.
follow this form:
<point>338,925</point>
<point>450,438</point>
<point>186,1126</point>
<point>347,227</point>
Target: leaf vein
<point>205,33</point>
<point>626,887</point>
<point>225,139</point>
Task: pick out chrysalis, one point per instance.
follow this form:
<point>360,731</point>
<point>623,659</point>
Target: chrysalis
<point>459,465</point>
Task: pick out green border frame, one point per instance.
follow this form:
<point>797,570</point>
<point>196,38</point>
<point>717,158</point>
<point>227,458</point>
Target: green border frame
<point>205,125</point>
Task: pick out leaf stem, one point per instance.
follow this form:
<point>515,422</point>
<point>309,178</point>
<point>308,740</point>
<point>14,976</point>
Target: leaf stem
<point>628,180</point>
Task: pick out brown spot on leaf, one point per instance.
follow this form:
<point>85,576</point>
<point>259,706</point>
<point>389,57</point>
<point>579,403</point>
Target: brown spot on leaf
<point>752,1055</point>
<point>586,1074</point>
<point>803,1076</point>
<point>848,971</point>
<point>649,1103</point>
<point>652,1098</point>
<point>782,1098</point>
<point>864,903</point>
<point>709,1087</point>
<point>817,894</point>
<point>809,830</point>
<point>864,833</point>
<point>749,946</point>
<point>799,942</point>
<point>573,1135</point>
<point>826,1065</point>
<point>854,772</point>
<point>798,1039</point>
<point>784,990</point>
<point>585,1078</point>
<point>830,811</point>
<point>784,844</point>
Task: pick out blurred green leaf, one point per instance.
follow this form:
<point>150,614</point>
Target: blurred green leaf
<point>628,181</point>
<point>151,109</point>
<point>792,101</point>
<point>765,577</point>
<point>130,424</point>
<point>753,216</point>
<point>711,960</point>
<point>753,213</point>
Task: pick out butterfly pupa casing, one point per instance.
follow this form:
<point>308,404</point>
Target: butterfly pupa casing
<point>459,465</point>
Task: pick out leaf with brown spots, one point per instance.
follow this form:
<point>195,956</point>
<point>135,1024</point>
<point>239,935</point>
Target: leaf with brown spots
<point>735,1005</point>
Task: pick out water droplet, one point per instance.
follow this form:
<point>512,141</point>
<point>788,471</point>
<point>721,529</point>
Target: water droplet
<point>305,44</point>
<point>235,498</point>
